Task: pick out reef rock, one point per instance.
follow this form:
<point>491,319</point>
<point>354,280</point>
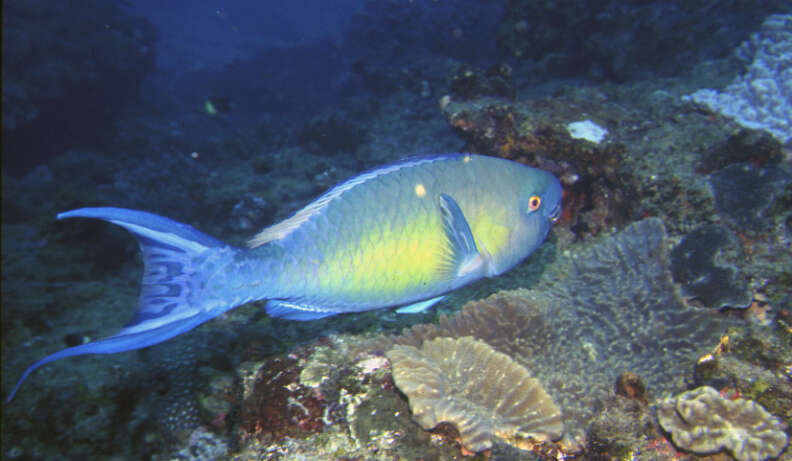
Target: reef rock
<point>480,391</point>
<point>701,421</point>
<point>697,264</point>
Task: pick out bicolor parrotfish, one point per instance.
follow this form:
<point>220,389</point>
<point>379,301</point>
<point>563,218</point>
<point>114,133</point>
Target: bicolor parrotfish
<point>403,235</point>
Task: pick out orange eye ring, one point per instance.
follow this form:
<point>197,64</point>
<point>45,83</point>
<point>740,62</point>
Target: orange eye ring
<point>534,202</point>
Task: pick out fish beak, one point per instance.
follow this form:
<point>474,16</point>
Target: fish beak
<point>555,214</point>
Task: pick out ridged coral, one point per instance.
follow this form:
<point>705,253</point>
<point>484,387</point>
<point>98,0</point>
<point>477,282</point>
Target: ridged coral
<point>701,421</point>
<point>482,392</point>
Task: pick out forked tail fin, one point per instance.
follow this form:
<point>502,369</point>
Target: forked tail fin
<point>173,254</point>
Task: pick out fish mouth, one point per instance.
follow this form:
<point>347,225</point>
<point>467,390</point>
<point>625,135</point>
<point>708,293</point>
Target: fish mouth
<point>555,214</point>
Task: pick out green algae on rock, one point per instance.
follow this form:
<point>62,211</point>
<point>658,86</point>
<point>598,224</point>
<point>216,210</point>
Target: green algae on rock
<point>480,391</point>
<point>701,421</point>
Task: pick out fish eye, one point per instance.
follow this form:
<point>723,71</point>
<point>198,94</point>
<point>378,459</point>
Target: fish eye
<point>534,202</point>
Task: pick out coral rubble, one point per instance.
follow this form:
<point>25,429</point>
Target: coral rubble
<point>482,392</point>
<point>702,421</point>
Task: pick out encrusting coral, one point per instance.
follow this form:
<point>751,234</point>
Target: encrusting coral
<point>760,99</point>
<point>480,391</point>
<point>701,421</point>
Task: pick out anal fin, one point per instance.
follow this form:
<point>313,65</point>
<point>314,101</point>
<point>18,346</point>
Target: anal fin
<point>419,307</point>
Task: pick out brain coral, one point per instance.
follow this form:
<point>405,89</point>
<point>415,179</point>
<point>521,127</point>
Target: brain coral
<point>482,392</point>
<point>608,308</point>
<point>701,421</point>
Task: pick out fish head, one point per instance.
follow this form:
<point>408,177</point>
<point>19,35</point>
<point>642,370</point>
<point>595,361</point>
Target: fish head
<point>539,203</point>
<point>540,197</point>
<point>536,208</point>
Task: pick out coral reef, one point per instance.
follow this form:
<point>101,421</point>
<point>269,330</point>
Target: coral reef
<point>482,392</point>
<point>607,308</point>
<point>618,301</point>
<point>702,421</point>
<point>760,99</point>
<point>602,317</point>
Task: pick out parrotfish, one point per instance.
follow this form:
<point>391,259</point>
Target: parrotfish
<point>403,235</point>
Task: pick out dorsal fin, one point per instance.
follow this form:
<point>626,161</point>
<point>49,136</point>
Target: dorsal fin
<point>285,227</point>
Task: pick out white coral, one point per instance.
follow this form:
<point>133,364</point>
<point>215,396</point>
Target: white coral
<point>762,97</point>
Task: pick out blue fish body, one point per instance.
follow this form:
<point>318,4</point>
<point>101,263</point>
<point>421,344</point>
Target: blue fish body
<point>400,235</point>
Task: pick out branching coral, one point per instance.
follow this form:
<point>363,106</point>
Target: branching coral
<point>482,392</point>
<point>701,421</point>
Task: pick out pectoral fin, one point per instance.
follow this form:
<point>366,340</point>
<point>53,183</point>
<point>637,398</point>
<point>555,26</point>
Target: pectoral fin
<point>464,260</point>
